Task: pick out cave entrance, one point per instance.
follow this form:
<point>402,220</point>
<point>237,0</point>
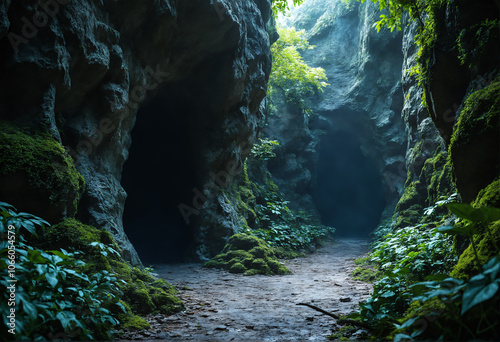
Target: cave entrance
<point>159,174</point>
<point>349,194</point>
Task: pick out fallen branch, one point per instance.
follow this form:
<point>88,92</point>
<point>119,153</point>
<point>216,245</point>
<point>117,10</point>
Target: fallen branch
<point>337,317</point>
<point>320,310</point>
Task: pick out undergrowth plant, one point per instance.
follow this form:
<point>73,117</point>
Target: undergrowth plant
<point>283,227</point>
<point>47,296</point>
<point>417,292</point>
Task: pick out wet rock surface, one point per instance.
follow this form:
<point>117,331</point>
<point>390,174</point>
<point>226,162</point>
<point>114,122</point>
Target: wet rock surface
<point>230,307</point>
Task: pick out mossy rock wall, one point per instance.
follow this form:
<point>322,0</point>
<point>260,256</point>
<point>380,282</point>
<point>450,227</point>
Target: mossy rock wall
<point>434,182</point>
<point>37,174</point>
<point>475,145</point>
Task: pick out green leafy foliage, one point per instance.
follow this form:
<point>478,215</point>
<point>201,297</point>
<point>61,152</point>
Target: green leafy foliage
<point>403,257</point>
<point>53,299</point>
<point>472,42</point>
<point>476,218</point>
<point>290,75</point>
<point>471,305</point>
<point>264,150</point>
<point>395,11</point>
<point>416,262</point>
<point>293,236</point>
<point>282,227</point>
<point>282,6</point>
<point>414,251</point>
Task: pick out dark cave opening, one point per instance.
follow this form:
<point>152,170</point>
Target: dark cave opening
<point>160,174</point>
<point>349,194</point>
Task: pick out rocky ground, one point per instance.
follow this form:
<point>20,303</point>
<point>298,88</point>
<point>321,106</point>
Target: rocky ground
<point>231,307</point>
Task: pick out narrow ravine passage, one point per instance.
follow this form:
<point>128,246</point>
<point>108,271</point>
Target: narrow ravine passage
<point>226,307</point>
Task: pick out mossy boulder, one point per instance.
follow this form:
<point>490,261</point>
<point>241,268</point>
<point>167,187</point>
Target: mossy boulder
<point>475,144</point>
<point>248,255</point>
<point>142,292</point>
<point>37,174</point>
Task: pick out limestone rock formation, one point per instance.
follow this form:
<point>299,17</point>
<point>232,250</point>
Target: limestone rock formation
<point>80,70</point>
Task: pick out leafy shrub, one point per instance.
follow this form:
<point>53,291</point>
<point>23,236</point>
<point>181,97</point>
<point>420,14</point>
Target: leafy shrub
<point>295,236</point>
<point>414,251</point>
<point>413,254</point>
<point>405,256</point>
<point>471,305</point>
<point>290,75</point>
<point>264,150</point>
<point>51,298</point>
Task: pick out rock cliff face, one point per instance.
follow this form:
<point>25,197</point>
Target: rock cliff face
<point>362,103</point>
<point>77,71</point>
<point>453,144</point>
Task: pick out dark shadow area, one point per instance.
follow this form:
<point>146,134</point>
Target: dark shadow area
<point>159,175</point>
<point>349,193</point>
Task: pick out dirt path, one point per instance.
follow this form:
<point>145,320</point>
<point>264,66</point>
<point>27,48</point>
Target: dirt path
<point>231,307</point>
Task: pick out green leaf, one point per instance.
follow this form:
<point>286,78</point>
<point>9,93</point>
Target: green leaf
<point>29,309</point>
<point>487,214</point>
<point>468,212</point>
<point>6,206</point>
<point>121,306</point>
<point>406,324</point>
<point>51,279</point>
<point>476,295</point>
<point>492,268</point>
<point>459,230</point>
<point>462,210</point>
<point>36,257</point>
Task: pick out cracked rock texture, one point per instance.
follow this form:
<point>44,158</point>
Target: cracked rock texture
<point>82,68</point>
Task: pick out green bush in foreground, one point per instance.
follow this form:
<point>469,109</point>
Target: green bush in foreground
<point>83,292</point>
<point>47,296</point>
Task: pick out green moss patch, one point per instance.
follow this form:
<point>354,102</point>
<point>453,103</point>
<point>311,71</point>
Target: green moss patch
<point>37,174</point>
<point>248,255</point>
<point>475,144</point>
<point>489,196</point>
<point>409,217</point>
<point>366,274</point>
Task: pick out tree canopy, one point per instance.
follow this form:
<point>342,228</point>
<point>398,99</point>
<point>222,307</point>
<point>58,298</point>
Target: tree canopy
<point>290,73</point>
